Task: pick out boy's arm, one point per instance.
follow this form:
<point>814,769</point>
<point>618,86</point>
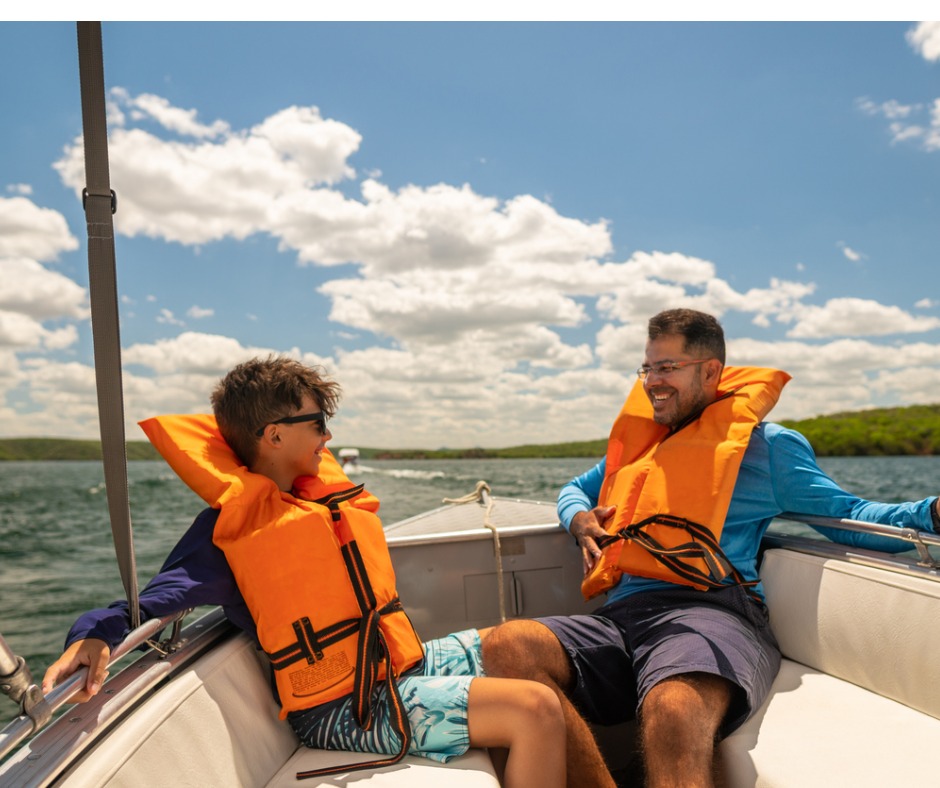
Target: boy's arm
<point>195,573</point>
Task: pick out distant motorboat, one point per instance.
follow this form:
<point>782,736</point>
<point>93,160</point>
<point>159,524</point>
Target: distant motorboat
<point>350,460</point>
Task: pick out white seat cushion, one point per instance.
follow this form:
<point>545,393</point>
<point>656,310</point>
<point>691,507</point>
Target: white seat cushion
<point>873,627</point>
<point>816,730</point>
<point>472,770</point>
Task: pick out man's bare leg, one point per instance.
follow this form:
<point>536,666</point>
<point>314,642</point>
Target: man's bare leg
<point>528,649</point>
<point>679,721</point>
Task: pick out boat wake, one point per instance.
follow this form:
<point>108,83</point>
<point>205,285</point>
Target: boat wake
<point>402,473</point>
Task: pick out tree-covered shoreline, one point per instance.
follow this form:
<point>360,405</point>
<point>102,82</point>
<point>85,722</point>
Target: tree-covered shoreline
<point>912,430</point>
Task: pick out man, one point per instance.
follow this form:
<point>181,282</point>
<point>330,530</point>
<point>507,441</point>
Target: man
<point>286,542</point>
<point>669,525</point>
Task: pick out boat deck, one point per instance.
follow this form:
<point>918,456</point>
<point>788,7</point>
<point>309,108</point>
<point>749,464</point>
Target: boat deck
<point>505,514</point>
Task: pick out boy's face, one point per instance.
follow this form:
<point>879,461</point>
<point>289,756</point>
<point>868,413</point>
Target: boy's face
<point>302,444</point>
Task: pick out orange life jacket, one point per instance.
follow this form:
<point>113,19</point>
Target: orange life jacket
<point>672,491</point>
<point>313,567</point>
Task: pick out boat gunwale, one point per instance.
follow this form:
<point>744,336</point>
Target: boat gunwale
<point>451,506</point>
<point>66,740</point>
<point>876,559</point>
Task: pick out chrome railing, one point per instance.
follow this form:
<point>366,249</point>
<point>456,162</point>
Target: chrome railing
<point>921,541</point>
<point>925,545</point>
<point>37,709</point>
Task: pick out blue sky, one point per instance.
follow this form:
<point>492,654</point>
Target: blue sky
<point>469,224</point>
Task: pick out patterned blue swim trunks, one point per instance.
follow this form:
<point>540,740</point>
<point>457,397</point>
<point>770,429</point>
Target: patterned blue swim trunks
<point>435,695</point>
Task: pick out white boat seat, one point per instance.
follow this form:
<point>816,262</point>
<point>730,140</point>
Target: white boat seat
<point>472,770</point>
<point>850,705</point>
<point>217,725</point>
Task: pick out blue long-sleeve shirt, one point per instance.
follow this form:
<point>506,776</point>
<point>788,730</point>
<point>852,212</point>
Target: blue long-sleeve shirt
<point>778,474</point>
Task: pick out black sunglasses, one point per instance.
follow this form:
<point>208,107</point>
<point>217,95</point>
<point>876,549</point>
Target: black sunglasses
<point>319,417</point>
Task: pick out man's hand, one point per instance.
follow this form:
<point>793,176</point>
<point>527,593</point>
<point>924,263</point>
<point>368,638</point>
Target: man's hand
<point>91,652</point>
<point>587,527</point>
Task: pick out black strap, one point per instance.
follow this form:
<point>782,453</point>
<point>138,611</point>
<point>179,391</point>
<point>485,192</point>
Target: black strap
<point>99,203</point>
<point>678,559</point>
<point>371,648</point>
<point>334,499</point>
<point>399,721</point>
<point>310,643</point>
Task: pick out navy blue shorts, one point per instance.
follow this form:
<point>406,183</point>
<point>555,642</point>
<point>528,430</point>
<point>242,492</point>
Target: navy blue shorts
<point>625,648</point>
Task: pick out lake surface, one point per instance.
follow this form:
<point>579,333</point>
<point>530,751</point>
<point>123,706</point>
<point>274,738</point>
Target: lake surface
<point>57,558</point>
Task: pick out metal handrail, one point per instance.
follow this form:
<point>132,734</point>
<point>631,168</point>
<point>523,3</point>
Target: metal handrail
<point>920,540</point>
<point>27,724</point>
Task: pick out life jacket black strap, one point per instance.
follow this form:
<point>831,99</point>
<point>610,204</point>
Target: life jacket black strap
<point>356,569</point>
<point>371,649</point>
<point>310,643</point>
<point>334,499</point>
<point>399,720</point>
<point>678,559</point>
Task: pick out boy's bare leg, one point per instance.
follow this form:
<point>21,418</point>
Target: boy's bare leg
<point>528,649</point>
<point>524,718</point>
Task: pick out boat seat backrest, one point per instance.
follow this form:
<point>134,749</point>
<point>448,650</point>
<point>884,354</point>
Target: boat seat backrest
<point>214,725</point>
<point>873,627</point>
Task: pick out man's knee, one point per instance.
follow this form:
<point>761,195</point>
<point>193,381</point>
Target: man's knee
<point>694,701</point>
<point>527,650</point>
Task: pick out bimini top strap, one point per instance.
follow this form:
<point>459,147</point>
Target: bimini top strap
<point>99,203</point>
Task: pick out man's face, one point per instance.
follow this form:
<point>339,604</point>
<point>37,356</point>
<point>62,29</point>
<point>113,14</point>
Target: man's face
<point>677,394</point>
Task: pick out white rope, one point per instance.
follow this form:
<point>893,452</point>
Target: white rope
<point>482,495</point>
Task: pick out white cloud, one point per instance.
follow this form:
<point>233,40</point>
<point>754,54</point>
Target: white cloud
<point>892,109</point>
<point>839,375</point>
<point>26,230</point>
<point>441,227</point>
<point>932,136</point>
<point>182,121</point>
<point>19,331</point>
<point>925,39</point>
<point>30,289</point>
<point>207,354</point>
<point>197,192</point>
<point>167,317</point>
<point>504,321</point>
<point>910,386</point>
<point>20,188</point>
<point>32,295</point>
<point>856,317</point>
<point>850,253</point>
<point>906,124</point>
<point>926,303</point>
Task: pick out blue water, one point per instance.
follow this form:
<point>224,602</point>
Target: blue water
<point>57,558</point>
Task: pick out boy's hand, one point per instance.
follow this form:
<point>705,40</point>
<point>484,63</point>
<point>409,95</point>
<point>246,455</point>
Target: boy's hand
<point>91,652</point>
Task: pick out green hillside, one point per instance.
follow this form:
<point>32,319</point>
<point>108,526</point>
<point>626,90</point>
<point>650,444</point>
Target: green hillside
<point>881,431</point>
<point>65,449</point>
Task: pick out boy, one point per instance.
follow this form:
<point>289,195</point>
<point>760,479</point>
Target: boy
<point>273,414</point>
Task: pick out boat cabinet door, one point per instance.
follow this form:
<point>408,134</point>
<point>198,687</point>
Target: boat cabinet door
<point>526,594</point>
